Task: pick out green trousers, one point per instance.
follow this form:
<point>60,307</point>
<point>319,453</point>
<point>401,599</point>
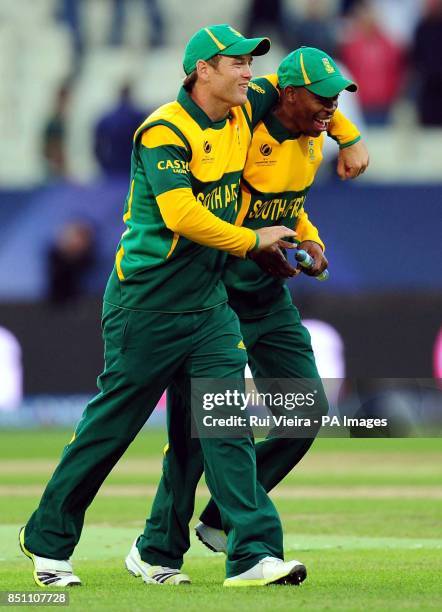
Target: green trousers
<point>143,353</point>
<point>278,346</point>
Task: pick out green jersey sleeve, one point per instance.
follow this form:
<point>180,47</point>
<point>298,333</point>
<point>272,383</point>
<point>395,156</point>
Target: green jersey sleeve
<point>262,96</point>
<point>165,160</point>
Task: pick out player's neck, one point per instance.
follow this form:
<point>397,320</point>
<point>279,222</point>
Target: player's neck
<point>286,119</point>
<point>215,109</point>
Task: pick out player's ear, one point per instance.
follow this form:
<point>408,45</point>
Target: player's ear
<point>202,69</point>
<point>289,93</point>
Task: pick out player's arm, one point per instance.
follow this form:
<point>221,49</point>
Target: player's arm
<point>309,241</point>
<point>262,95</point>
<point>274,262</point>
<point>306,231</point>
<point>343,130</point>
<point>353,156</point>
<point>166,162</point>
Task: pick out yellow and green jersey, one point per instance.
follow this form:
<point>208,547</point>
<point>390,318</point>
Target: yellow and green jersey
<point>182,204</point>
<point>278,174</point>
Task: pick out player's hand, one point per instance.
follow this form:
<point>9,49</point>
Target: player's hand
<point>273,261</point>
<point>274,235</point>
<point>315,251</point>
<point>352,161</point>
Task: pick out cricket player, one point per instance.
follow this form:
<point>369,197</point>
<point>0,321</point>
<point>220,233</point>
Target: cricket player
<point>165,310</point>
<point>284,156</point>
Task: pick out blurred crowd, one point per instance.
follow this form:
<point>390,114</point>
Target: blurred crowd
<point>389,47</point>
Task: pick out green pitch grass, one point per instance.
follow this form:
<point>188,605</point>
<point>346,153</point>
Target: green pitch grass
<point>363,515</point>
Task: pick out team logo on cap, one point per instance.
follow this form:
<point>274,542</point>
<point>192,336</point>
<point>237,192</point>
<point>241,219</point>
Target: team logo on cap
<point>265,149</point>
<point>329,68</point>
<point>207,146</point>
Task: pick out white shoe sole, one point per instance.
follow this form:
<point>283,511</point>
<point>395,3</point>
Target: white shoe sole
<point>63,582</point>
<point>134,569</point>
<point>295,576</point>
<point>217,545</point>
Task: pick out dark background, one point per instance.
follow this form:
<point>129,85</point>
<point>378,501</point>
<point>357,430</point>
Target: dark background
<point>385,336</point>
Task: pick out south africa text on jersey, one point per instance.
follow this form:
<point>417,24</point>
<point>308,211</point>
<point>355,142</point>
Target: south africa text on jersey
<point>276,208</point>
<point>220,197</point>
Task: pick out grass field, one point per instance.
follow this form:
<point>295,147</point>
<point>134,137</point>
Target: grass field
<point>365,517</point>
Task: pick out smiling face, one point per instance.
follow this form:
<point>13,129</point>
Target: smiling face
<point>304,112</point>
<point>229,80</point>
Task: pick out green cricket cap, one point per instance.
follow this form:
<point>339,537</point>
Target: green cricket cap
<point>220,39</point>
<point>315,70</point>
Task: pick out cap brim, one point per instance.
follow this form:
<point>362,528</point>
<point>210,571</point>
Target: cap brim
<point>331,87</point>
<point>246,46</point>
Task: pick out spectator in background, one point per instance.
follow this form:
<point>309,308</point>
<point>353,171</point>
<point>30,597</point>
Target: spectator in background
<point>70,258</point>
<point>428,63</point>
<point>155,18</point>
<point>317,28</point>
<point>347,6</point>
<point>399,18</point>
<point>54,136</point>
<point>376,62</point>
<point>69,12</point>
<point>114,133</point>
<point>270,17</point>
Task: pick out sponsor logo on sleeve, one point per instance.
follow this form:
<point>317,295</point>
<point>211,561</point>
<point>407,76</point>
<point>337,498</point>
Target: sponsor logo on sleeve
<point>177,166</point>
<point>256,88</point>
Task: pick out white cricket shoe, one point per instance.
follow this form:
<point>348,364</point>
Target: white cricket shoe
<point>49,572</point>
<point>269,570</point>
<point>214,539</point>
<point>153,574</point>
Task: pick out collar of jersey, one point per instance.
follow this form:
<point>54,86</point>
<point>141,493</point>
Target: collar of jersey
<point>277,130</point>
<point>197,113</point>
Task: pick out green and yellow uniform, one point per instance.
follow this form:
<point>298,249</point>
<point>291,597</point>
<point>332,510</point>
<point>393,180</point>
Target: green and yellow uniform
<point>278,174</point>
<point>194,169</point>
<point>165,310</point>
<point>277,343</point>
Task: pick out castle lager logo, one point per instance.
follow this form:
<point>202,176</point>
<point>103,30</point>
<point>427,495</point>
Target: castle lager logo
<point>207,147</point>
<point>265,149</point>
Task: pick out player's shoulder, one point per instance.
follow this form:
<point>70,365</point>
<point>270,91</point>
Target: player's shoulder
<point>264,84</point>
<point>161,127</point>
<point>262,94</point>
<point>165,113</point>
